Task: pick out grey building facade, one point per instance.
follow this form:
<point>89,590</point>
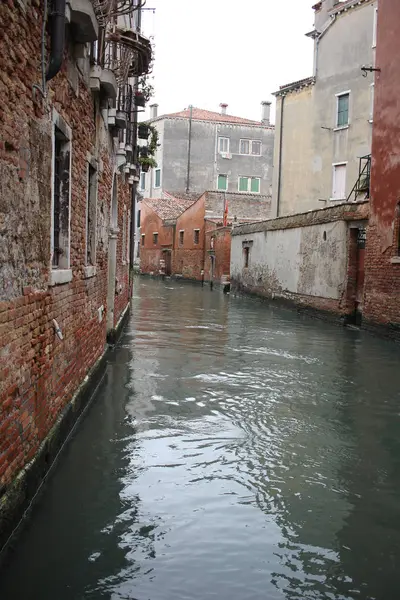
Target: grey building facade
<point>204,150</point>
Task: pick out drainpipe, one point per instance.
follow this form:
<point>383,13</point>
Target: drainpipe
<point>189,149</point>
<point>134,147</point>
<point>278,200</point>
<point>57,38</point>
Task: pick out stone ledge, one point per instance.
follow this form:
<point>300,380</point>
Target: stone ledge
<point>89,271</point>
<point>60,276</point>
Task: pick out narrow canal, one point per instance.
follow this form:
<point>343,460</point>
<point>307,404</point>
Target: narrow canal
<point>234,451</point>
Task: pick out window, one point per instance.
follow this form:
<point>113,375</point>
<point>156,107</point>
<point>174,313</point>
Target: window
<point>339,182</point>
<point>61,200</point>
<point>138,219</point>
<point>142,181</point>
<point>138,250</point>
<point>256,148</point>
<point>155,238</point>
<point>181,237</point>
<point>222,182</point>
<point>246,255</point>
<point>143,236</point>
<point>196,236</point>
<point>249,184</point>
<point>223,145</point>
<point>375,30</point>
<point>371,116</point>
<point>157,178</point>
<point>244,147</point>
<point>91,216</point>
<point>252,147</point>
<point>342,117</point>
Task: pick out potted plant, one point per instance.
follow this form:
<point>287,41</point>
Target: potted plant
<point>147,163</point>
<point>143,131</point>
<point>140,99</point>
<point>144,151</point>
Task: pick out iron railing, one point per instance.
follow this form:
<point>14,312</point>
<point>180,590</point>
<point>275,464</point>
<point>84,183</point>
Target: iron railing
<point>362,185</point>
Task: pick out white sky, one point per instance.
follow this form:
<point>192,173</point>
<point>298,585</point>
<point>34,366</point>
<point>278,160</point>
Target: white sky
<point>233,51</point>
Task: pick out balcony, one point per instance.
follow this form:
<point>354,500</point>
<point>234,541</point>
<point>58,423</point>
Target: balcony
<point>82,20</point>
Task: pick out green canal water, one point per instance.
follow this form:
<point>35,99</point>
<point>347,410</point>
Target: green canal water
<point>234,451</point>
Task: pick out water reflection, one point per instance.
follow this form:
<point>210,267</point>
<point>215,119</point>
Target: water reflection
<point>235,451</point>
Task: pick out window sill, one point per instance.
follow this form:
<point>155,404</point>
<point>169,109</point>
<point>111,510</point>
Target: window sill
<point>60,276</point>
<point>395,260</point>
<point>370,121</point>
<point>341,128</point>
<point>89,271</point>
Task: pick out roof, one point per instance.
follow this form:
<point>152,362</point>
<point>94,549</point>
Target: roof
<point>170,207</point>
<point>344,5</point>
<point>295,85</point>
<point>199,114</point>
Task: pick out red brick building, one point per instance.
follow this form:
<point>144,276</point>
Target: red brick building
<point>186,236</point>
<point>65,206</point>
<point>382,283</point>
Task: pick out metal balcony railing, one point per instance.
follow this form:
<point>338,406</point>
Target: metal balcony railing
<point>362,185</point>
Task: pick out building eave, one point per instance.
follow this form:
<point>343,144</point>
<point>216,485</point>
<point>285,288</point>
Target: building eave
<point>295,86</point>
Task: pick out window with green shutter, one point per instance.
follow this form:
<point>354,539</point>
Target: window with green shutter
<point>157,178</point>
<point>243,184</point>
<point>255,185</point>
<point>223,182</point>
<point>343,110</point>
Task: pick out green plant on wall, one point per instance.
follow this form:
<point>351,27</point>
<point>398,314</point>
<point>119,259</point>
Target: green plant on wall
<point>146,159</point>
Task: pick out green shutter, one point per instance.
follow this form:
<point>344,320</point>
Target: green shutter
<point>158,178</point>
<point>255,185</point>
<point>343,111</point>
<point>222,182</point>
<point>243,184</point>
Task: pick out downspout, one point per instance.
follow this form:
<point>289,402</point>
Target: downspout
<point>278,200</point>
<point>57,38</point>
<point>189,149</point>
<point>134,187</point>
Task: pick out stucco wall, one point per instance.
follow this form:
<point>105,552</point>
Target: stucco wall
<point>205,162</point>
<point>298,261</point>
<point>311,142</point>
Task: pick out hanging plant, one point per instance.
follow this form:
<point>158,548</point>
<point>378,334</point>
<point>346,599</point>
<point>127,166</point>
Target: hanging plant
<point>153,145</point>
<point>140,100</point>
<point>146,88</point>
<point>146,163</point>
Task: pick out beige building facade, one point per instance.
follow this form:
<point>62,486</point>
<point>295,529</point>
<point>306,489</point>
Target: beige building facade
<point>324,123</point>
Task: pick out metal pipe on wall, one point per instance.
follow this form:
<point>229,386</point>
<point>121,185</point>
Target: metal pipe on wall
<point>189,148</point>
<point>57,38</point>
<point>278,199</point>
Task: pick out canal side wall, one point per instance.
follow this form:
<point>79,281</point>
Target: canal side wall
<point>52,320</point>
<point>307,259</point>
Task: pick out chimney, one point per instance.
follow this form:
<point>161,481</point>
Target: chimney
<point>153,111</point>
<point>265,113</point>
<point>223,108</point>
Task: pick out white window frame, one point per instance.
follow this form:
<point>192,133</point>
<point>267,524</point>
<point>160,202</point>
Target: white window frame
<point>124,236</point>
<point>194,236</point>
<point>375,28</point>
<point>181,231</point>
<point>250,153</point>
<point>227,182</point>
<point>224,138</point>
<point>372,99</point>
<point>334,165</point>
<point>339,95</point>
<point>155,233</point>
<point>155,179</point>
<point>128,238</point>
<point>61,273</point>
<point>142,181</point>
<point>249,178</point>
<point>142,239</point>
<point>90,269</point>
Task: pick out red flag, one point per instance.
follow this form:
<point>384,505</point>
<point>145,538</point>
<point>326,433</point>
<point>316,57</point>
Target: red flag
<point>225,222</point>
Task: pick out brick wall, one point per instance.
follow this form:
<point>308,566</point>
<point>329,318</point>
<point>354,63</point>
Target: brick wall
<point>188,258</point>
<point>218,246</point>
<point>39,373</point>
<point>382,283</point>
<point>151,254</point>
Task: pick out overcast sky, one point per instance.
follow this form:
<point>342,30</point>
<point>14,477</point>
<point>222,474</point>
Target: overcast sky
<point>232,51</point>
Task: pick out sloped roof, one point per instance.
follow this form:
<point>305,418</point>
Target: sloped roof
<point>170,207</point>
<point>295,85</point>
<point>199,114</point>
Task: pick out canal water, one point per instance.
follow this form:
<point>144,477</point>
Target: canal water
<point>234,451</point>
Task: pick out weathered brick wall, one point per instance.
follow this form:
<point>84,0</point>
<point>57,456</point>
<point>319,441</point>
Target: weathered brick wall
<point>151,254</point>
<point>188,259</point>
<point>245,207</point>
<point>382,265</point>
<point>218,244</point>
<point>39,373</point>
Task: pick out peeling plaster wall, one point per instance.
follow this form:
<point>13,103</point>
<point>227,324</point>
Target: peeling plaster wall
<point>295,261</point>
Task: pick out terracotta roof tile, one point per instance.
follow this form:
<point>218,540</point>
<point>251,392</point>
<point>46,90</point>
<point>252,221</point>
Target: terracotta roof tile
<point>170,207</point>
<point>199,114</point>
